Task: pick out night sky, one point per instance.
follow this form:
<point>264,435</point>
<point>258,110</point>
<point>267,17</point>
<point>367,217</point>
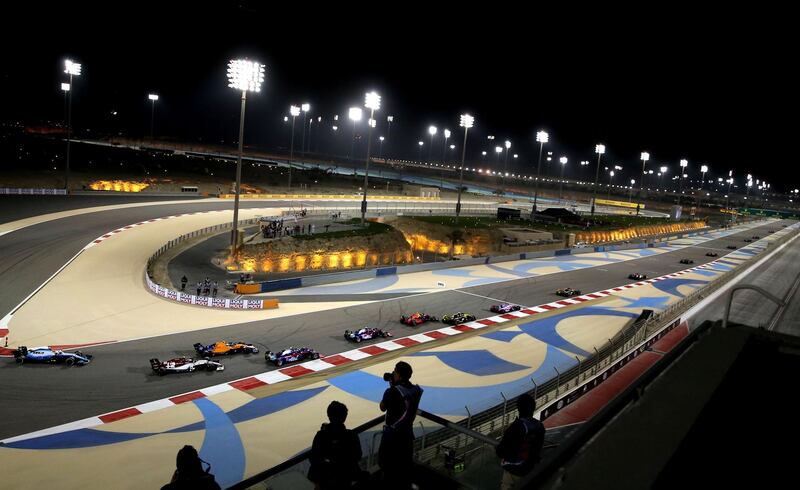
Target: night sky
<point>715,87</point>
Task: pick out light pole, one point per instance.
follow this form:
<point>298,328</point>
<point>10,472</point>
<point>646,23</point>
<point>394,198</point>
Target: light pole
<point>645,156</point>
<point>505,165</point>
<point>684,163</point>
<point>728,195</point>
<point>599,149</point>
<point>153,98</point>
<point>71,69</point>
<point>294,111</point>
<point>245,76</point>
<point>466,122</point>
<point>541,137</point>
<point>563,162</point>
<point>389,120</point>
<point>419,155</point>
<point>372,101</point>
<point>355,115</point>
<point>498,150</point>
<point>749,185</point>
<point>380,147</point>
<point>703,170</point>
<point>432,130</point>
<point>610,178</point>
<point>630,195</point>
<point>305,107</point>
<point>663,172</point>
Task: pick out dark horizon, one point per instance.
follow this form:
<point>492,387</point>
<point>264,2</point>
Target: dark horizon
<point>710,93</point>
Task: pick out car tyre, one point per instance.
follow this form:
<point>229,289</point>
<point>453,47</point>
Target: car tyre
<point>70,361</point>
<point>358,339</point>
<point>20,360</point>
<point>279,362</point>
<point>315,355</point>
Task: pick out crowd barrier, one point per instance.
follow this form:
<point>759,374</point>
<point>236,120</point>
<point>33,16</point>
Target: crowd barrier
<point>211,302</point>
<point>27,191</point>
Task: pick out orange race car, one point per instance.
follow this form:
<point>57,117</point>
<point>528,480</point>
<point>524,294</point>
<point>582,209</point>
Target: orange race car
<point>222,348</point>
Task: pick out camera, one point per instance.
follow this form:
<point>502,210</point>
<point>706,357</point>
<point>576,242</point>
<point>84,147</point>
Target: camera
<point>387,377</point>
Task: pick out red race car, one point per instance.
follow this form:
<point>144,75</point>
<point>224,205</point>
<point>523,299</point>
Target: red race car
<point>417,318</point>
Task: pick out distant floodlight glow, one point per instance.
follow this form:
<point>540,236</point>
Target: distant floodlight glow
<point>542,137</point>
<point>355,113</point>
<point>563,160</point>
<point>704,168</point>
<point>420,143</point>
<point>600,149</point>
<point>381,138</point>
<point>498,149</point>
<point>285,118</point>
<point>294,111</point>
<point>306,107</point>
<point>645,156</point>
<point>483,153</point>
<point>245,75</point>
<point>153,97</point>
<point>372,123</point>
<point>684,163</point>
<point>336,128</point>
<point>516,156</point>
<point>372,101</point>
<point>466,121</point>
<point>432,130</point>
<point>663,170</point>
<point>452,147</point>
<point>65,87</point>
<point>446,133</point>
<point>508,144</point>
<point>71,68</point>
<point>390,118</point>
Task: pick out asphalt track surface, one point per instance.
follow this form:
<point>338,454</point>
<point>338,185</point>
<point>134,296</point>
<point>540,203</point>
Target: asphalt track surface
<point>32,254</point>
<point>37,397</point>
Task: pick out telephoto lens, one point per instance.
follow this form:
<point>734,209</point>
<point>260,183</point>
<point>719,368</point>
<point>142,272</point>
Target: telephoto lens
<point>387,377</point>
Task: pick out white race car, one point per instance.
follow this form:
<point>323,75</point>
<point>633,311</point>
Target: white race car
<point>184,365</point>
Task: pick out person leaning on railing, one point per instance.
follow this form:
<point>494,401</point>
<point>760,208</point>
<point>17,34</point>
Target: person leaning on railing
<point>521,446</point>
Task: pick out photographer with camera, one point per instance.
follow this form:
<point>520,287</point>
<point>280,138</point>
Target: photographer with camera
<point>400,402</point>
<point>189,472</point>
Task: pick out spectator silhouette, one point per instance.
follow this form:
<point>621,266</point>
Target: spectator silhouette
<point>400,402</point>
<point>189,473</point>
<point>521,446</point>
<point>335,453</point>
<point>184,280</point>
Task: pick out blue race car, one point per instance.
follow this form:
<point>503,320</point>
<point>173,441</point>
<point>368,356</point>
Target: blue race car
<point>46,355</point>
<point>505,308</point>
<point>292,354</point>
<point>365,333</point>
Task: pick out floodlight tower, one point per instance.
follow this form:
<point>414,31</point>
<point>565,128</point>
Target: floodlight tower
<point>466,122</point>
<point>372,101</point>
<point>72,69</point>
<point>246,76</point>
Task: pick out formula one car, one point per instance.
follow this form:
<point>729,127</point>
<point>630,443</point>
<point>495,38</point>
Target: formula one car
<point>47,355</point>
<point>637,276</point>
<point>417,318</point>
<point>365,333</point>
<point>567,292</point>
<point>291,354</point>
<point>222,348</point>
<point>712,254</point>
<point>458,318</point>
<point>756,237</point>
<point>505,308</point>
<point>731,247</point>
<point>687,261</point>
<point>184,365</point>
